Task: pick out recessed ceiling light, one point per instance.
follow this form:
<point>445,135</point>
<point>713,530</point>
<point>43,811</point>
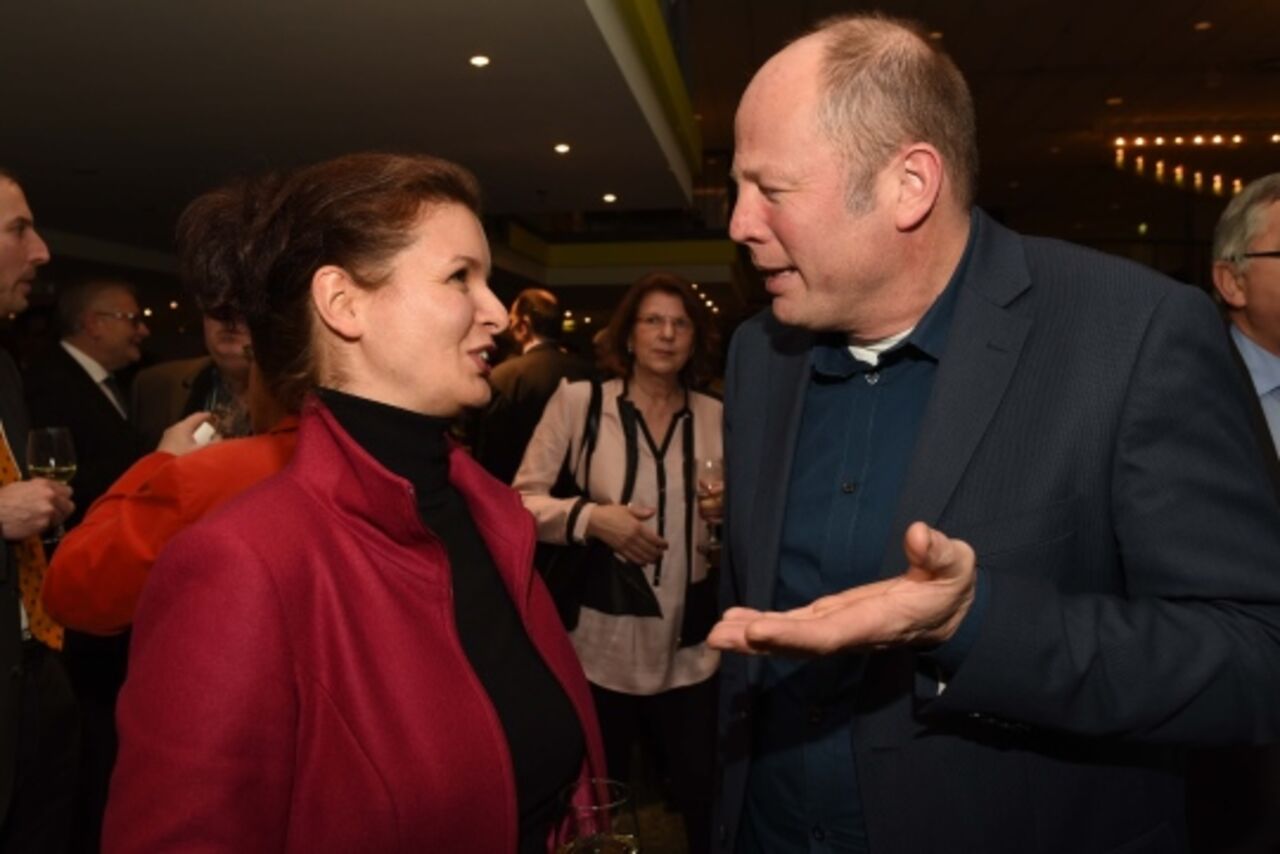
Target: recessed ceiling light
<point>568,313</point>
<point>1275,137</point>
<point>586,319</point>
<point>1177,140</point>
<point>609,198</point>
<point>1237,139</point>
<point>715,311</point>
<point>1115,101</point>
<point>1159,140</point>
<point>936,35</point>
<point>1201,26</point>
<point>173,305</point>
<point>1139,140</point>
<point>1217,139</point>
<point>146,312</point>
<point>562,148</point>
<point>1120,142</point>
<point>1197,139</point>
<point>693,285</point>
<point>1142,229</point>
<point>479,60</point>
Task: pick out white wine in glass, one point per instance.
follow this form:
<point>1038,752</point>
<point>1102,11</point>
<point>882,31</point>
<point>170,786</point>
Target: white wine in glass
<point>711,482</point>
<point>51,454</point>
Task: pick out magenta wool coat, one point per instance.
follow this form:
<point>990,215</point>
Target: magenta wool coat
<point>296,682</point>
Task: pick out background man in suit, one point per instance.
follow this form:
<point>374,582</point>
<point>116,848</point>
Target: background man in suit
<point>1002,486</point>
<point>74,386</point>
<point>524,383</point>
<point>38,723</point>
<point>1234,796</point>
<point>218,383</point>
<point>1246,273</point>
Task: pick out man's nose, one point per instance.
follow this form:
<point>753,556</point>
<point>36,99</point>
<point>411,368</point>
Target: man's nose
<point>39,252</point>
<point>744,224</point>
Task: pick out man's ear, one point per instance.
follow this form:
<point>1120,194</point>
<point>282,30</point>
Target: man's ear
<point>920,175</point>
<point>1230,284</point>
<point>338,301</point>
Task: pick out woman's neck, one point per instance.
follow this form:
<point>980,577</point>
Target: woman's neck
<point>655,389</point>
<point>406,443</point>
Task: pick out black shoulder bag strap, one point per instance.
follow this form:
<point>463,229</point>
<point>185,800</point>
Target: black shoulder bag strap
<point>590,432</point>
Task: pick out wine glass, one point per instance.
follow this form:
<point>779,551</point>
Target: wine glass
<point>600,819</point>
<point>51,454</point>
<point>710,492</point>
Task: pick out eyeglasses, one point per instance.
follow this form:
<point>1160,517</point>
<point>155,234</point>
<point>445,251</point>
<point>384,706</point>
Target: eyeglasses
<point>1275,253</point>
<point>132,317</point>
<point>658,321</point>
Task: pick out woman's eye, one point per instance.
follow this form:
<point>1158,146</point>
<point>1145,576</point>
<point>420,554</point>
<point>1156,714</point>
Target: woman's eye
<point>460,276</point>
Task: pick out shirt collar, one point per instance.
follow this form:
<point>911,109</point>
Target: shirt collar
<point>91,365</point>
<point>1264,366</point>
<point>831,356</point>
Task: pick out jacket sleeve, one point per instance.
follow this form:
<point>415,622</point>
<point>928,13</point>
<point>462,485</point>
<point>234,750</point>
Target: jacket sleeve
<point>558,432</point>
<point>209,715</point>
<point>1190,652</point>
<point>95,577</point>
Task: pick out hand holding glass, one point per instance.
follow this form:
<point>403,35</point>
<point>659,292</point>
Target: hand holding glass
<point>711,495</point>
<point>51,454</point>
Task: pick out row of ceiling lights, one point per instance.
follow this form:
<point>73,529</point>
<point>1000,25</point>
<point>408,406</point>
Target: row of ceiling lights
<point>1197,139</point>
<point>482,61</point>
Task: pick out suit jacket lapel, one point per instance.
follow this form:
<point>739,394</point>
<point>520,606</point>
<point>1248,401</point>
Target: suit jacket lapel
<point>981,354</point>
<point>787,381</point>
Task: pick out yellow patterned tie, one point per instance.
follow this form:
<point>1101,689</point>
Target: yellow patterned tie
<point>31,566</point>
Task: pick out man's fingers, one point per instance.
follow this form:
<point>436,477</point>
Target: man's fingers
<point>641,513</point>
<point>934,552</point>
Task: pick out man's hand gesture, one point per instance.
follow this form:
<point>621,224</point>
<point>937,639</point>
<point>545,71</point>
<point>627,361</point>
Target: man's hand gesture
<point>922,606</point>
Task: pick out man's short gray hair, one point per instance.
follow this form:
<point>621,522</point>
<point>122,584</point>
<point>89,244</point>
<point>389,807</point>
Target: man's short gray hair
<point>1242,219</point>
<point>886,84</point>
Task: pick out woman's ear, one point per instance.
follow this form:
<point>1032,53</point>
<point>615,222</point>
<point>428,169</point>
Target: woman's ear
<point>338,301</point>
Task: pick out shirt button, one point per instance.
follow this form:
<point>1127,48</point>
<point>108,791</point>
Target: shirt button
<point>819,834</point>
<point>848,487</point>
<point>873,377</point>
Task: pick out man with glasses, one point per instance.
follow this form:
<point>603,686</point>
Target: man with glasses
<point>1234,795</point>
<point>74,386</point>
<point>1246,273</point>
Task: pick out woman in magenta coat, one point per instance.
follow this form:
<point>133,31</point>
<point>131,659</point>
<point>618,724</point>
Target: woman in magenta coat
<point>356,655</point>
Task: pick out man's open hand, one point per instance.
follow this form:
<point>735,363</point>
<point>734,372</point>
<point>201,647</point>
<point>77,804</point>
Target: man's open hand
<point>924,605</point>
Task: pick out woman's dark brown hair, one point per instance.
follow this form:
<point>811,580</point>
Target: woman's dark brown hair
<point>701,365</point>
<point>355,212</point>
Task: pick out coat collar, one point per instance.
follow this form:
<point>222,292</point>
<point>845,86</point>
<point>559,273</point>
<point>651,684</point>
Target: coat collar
<point>339,473</point>
<point>981,354</point>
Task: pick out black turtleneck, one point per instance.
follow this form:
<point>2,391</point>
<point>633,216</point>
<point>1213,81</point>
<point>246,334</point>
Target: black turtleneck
<point>542,730</point>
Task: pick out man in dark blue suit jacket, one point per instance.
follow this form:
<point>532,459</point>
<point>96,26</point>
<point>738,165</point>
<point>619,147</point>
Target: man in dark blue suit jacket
<point>1003,488</point>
